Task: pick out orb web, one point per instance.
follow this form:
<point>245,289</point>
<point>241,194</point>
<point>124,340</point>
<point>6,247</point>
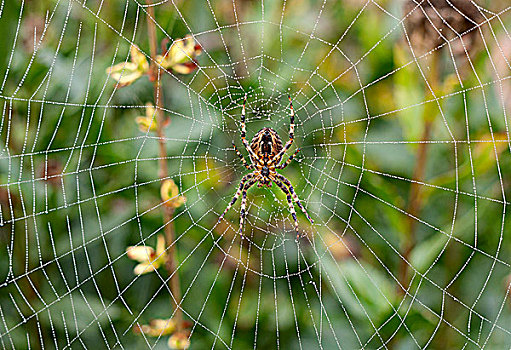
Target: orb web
<point>405,250</point>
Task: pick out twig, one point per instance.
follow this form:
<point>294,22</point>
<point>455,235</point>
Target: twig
<point>168,212</point>
<point>415,198</point>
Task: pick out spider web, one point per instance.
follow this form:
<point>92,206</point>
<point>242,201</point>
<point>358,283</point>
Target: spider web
<point>79,182</point>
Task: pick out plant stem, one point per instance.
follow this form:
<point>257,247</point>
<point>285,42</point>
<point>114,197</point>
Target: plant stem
<point>415,198</point>
<point>168,212</point>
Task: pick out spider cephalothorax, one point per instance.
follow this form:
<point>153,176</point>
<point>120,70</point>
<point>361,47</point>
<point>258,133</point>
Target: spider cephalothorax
<point>266,152</point>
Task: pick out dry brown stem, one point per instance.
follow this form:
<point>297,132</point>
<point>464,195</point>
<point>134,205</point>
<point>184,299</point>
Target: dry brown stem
<point>168,212</point>
<point>415,196</point>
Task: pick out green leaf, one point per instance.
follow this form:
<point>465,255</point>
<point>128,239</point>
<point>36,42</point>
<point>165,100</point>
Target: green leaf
<point>360,287</point>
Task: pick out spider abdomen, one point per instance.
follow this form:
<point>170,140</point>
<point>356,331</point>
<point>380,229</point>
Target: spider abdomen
<point>266,143</point>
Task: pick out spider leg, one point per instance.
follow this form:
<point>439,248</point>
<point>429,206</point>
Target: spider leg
<point>238,192</point>
<point>286,163</point>
<point>293,194</point>
<point>290,203</point>
<point>252,154</point>
<point>244,203</point>
<point>248,166</point>
<point>288,144</point>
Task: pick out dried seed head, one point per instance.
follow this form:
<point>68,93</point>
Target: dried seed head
<point>432,23</point>
<point>51,172</point>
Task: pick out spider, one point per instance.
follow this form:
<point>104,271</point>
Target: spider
<point>265,153</point>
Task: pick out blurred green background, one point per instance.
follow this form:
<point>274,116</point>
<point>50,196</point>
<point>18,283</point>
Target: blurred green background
<point>405,252</point>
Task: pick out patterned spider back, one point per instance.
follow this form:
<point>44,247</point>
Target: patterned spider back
<point>266,143</point>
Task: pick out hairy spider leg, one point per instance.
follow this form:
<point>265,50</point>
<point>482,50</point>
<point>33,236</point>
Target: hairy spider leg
<point>289,160</point>
<point>238,192</point>
<point>288,144</point>
<point>293,194</point>
<point>248,166</point>
<point>244,202</point>
<point>251,153</point>
<point>290,203</point>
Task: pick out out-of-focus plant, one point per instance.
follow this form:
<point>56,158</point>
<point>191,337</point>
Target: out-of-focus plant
<point>179,341</point>
<point>150,259</point>
<point>148,122</point>
<point>181,56</point>
<point>430,25</point>
<point>170,194</point>
<point>127,73</point>
<point>341,247</point>
<point>157,327</point>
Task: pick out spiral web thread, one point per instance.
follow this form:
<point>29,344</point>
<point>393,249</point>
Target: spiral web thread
<point>305,280</point>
